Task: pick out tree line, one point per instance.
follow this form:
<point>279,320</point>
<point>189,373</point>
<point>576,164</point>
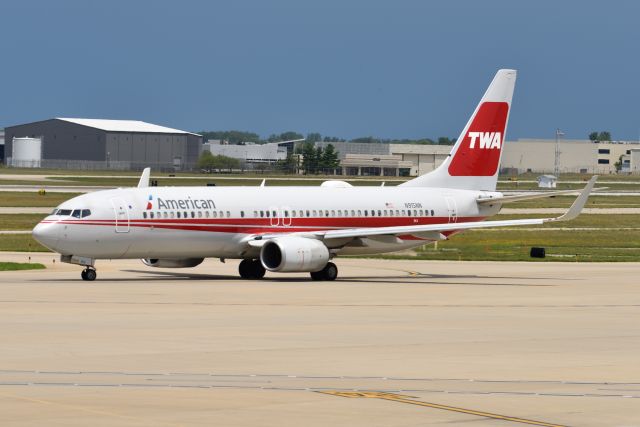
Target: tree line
<point>240,137</point>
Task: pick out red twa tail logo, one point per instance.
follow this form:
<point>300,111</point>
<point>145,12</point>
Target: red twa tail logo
<point>479,152</point>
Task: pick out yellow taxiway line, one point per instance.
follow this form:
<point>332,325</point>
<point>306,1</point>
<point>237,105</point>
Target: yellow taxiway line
<point>411,401</point>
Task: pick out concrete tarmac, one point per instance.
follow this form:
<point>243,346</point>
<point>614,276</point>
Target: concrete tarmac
<point>391,343</point>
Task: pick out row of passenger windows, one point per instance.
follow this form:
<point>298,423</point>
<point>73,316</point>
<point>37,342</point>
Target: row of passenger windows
<point>192,214</point>
<point>76,213</point>
<point>340,213</point>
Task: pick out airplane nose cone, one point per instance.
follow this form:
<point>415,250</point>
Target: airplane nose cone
<point>46,234</point>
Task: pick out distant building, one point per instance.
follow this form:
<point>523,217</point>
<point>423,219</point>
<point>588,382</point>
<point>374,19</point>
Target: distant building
<point>383,159</point>
<point>547,181</point>
<point>104,144</point>
<point>249,154</point>
<point>575,156</point>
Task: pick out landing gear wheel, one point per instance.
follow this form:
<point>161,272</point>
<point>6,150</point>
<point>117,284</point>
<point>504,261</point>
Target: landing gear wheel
<point>251,269</point>
<point>328,273</point>
<point>88,274</point>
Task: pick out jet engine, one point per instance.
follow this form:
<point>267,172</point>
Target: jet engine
<point>294,254</point>
<point>172,262</point>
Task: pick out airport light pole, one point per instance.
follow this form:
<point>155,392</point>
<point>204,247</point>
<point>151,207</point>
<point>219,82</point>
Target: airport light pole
<point>556,169</point>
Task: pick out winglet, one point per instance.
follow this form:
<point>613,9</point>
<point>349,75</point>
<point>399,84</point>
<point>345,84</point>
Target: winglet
<point>579,203</point>
<point>144,178</point>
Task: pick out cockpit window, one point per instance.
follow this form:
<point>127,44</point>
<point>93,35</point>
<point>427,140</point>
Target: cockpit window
<point>76,213</point>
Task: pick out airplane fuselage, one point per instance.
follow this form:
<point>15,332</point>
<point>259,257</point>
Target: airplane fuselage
<point>161,222</point>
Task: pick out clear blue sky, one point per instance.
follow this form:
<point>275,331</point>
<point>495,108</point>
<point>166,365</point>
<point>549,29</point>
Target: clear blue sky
<point>392,69</point>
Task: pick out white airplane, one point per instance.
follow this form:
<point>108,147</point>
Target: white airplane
<point>297,229</point>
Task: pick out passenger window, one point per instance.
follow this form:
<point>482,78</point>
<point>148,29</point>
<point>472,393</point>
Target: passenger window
<point>326,213</point>
<point>206,214</point>
<point>359,212</point>
<point>353,213</point>
<point>172,214</point>
<point>420,212</point>
<point>366,212</point>
<point>333,213</point>
<point>301,214</point>
<point>308,214</point>
<point>379,213</point>
<point>315,213</point>
<point>215,214</point>
<point>144,215</point>
<point>186,215</point>
<point>404,213</point>
<point>267,214</point>
<point>199,214</point>
<point>293,214</point>
<point>242,214</point>
<point>151,215</point>
<point>373,213</point>
<point>228,214</point>
<point>178,214</point>
<point>255,214</point>
<point>415,212</point>
<point>274,214</point>
<point>432,212</point>
<point>193,214</point>
<point>286,214</point>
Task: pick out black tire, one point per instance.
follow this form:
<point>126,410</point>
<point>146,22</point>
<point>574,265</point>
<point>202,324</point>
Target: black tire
<point>316,275</point>
<point>83,274</point>
<point>245,269</point>
<point>330,271</point>
<point>90,274</point>
<point>257,270</point>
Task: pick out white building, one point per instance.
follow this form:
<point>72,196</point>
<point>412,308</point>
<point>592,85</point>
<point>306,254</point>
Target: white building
<point>249,153</point>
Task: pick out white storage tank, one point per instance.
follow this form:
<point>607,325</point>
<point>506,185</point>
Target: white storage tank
<point>26,152</point>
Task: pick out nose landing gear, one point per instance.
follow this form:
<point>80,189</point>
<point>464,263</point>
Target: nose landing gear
<point>89,274</point>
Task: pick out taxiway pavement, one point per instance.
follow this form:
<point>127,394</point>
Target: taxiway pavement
<point>392,343</point>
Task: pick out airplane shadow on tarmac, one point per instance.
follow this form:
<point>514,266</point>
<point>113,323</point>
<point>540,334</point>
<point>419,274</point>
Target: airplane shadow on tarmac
<point>425,279</point>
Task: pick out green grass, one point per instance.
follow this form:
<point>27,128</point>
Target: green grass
<point>31,199</point>
<point>19,221</point>
<point>20,243</point>
<point>11,266</point>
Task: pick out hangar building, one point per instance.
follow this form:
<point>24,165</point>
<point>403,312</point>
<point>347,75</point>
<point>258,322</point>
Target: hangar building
<point>102,144</point>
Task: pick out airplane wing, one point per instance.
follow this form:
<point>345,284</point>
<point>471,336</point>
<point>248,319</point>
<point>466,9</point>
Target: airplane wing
<point>435,231</point>
<point>521,197</point>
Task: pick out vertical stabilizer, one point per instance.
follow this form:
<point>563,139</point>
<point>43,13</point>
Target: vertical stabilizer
<point>474,161</point>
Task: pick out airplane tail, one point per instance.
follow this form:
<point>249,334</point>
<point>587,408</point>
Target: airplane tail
<point>474,161</point>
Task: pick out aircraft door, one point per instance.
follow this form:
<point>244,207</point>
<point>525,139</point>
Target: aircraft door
<point>274,216</point>
<point>286,216</point>
<point>121,213</point>
<point>452,209</point>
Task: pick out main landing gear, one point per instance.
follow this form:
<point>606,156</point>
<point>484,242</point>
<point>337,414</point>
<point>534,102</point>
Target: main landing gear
<point>329,273</point>
<point>251,269</point>
<point>89,274</point>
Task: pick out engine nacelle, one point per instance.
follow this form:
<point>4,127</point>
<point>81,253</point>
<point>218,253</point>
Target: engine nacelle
<point>172,262</point>
<point>294,254</point>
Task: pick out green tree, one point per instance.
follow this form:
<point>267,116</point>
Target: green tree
<point>329,159</point>
<point>593,136</point>
<point>206,161</point>
<point>604,136</point>
<point>444,140</point>
<point>309,159</point>
<point>288,165</point>
<point>232,136</point>
<point>314,137</point>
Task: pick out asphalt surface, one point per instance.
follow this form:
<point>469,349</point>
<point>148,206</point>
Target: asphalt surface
<point>391,343</point>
